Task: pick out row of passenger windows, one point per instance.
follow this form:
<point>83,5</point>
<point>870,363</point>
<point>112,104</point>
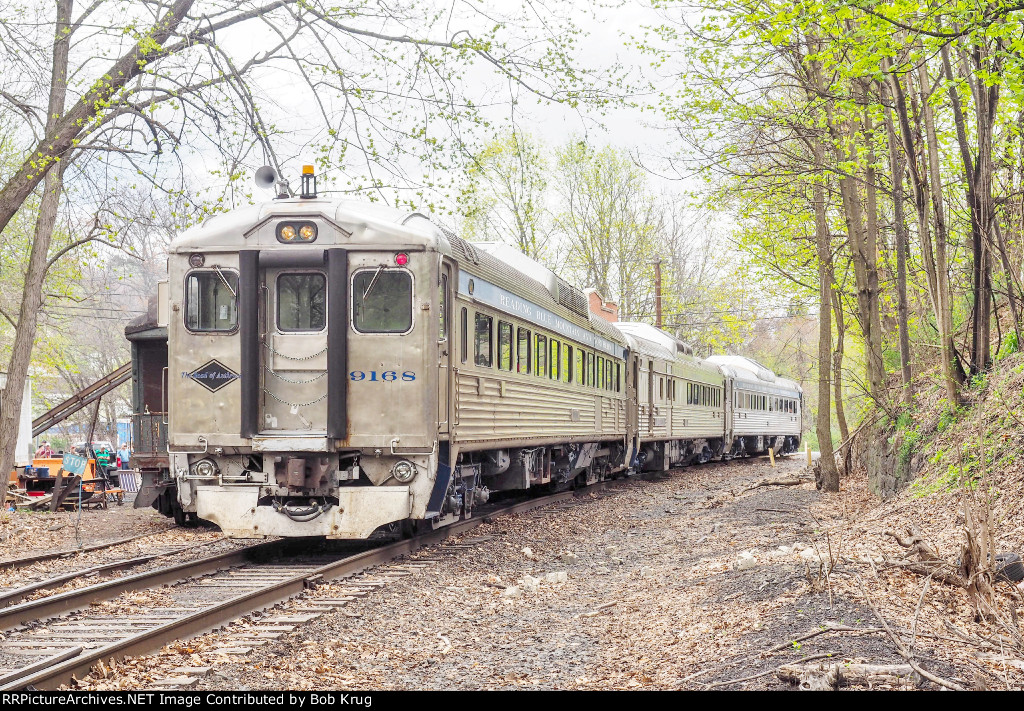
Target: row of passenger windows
<point>703,395</point>
<point>750,401</point>
<point>524,351</point>
<point>696,394</point>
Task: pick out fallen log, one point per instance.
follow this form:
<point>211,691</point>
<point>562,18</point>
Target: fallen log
<point>829,675</point>
<point>940,570</point>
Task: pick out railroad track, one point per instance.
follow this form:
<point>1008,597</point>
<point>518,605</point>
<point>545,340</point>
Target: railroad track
<point>12,595</point>
<point>43,651</point>
<point>51,555</point>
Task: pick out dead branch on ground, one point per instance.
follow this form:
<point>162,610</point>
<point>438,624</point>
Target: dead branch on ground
<point>790,481</point>
<point>929,563</point>
<point>903,652</point>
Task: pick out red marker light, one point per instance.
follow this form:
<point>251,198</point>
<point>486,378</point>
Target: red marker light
<point>401,259</point>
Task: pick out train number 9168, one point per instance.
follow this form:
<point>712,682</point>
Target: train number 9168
<point>387,376</point>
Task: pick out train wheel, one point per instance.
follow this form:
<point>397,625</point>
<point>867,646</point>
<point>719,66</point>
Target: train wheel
<point>184,519</point>
<point>412,527</point>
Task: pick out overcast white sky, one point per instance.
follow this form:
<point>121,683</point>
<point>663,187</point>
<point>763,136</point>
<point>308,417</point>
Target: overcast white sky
<point>606,31</point>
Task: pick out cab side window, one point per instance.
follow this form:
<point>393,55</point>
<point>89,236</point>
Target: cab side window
<point>442,309</point>
<point>210,301</point>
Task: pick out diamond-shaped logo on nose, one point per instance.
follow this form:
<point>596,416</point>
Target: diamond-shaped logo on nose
<point>213,375</point>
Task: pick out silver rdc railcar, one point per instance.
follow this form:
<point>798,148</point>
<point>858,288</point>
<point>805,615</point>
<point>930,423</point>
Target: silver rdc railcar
<point>335,367</point>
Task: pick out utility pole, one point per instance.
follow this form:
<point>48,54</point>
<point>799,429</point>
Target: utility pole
<point>657,292</point>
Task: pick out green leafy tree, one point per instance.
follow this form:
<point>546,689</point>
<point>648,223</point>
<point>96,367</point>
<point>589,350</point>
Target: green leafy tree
<point>506,197</point>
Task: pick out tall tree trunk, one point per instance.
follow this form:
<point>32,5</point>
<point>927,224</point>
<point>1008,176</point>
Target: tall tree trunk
<point>32,297</point>
<point>900,227</point>
<point>1011,288</point>
<point>945,314</point>
<point>978,180</point>
<point>870,256</point>
<point>862,227</point>
<point>823,423</point>
<point>938,286</point>
<point>837,367</point>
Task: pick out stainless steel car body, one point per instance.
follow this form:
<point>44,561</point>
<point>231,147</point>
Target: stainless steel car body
<point>338,366</point>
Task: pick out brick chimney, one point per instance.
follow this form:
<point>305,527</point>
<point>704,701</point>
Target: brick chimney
<point>607,310</point>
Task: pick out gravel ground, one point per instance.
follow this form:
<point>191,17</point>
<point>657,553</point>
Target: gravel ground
<point>670,582</point>
<point>24,533</point>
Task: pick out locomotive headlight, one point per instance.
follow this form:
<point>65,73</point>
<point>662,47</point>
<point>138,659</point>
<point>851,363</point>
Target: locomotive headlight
<point>204,468</point>
<point>196,260</point>
<point>297,232</point>
<point>404,471</point>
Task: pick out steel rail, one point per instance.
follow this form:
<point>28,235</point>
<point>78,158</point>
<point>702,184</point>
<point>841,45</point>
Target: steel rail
<point>83,597</point>
<point>213,617</point>
<point>30,559</point>
<point>8,597</point>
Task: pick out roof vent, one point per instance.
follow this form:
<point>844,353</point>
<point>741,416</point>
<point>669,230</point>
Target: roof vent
<point>573,299</point>
<point>461,246</point>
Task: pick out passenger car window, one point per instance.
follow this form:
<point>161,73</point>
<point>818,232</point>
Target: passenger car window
<point>442,308</point>
<point>523,351</point>
<point>301,302</point>
<point>210,303</point>
<point>483,340</point>
<point>554,359</point>
<point>504,345</point>
<point>465,336</point>
<point>541,359</point>
<point>382,301</point>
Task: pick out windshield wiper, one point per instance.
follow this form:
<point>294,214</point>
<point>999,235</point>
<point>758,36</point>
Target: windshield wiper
<point>225,280</point>
<point>373,281</point>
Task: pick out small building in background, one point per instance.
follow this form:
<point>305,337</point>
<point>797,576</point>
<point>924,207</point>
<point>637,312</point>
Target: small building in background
<point>23,451</point>
<point>608,310</point>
